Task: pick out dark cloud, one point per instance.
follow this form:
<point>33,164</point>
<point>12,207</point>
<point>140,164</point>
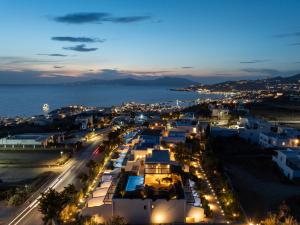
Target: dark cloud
<point>80,18</point>
<point>97,17</point>
<point>78,39</point>
<point>55,54</point>
<point>187,67</point>
<point>254,61</point>
<point>127,19</point>
<point>58,67</point>
<point>80,48</point>
<point>293,34</point>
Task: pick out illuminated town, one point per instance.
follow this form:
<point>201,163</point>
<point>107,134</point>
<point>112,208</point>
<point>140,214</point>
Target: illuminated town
<point>137,112</point>
<point>151,163</point>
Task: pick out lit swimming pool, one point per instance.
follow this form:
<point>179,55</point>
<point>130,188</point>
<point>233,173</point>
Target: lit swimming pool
<point>133,182</point>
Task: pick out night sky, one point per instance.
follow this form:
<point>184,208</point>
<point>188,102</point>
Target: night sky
<point>57,39</point>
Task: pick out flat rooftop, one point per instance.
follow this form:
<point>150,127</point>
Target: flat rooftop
<point>37,137</point>
<point>159,156</point>
<point>151,132</point>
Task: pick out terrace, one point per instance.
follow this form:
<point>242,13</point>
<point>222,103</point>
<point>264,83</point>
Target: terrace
<point>158,186</point>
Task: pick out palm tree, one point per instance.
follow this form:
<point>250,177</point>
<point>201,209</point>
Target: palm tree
<point>51,204</point>
<point>69,193</point>
<point>283,217</point>
<point>123,192</point>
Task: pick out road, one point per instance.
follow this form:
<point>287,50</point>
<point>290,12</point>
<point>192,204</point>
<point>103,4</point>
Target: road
<point>29,214</point>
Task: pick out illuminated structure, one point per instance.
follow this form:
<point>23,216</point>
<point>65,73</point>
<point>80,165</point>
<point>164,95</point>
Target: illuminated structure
<point>149,190</point>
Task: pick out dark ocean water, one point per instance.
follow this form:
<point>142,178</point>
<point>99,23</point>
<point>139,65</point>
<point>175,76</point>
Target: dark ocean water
<point>27,100</point>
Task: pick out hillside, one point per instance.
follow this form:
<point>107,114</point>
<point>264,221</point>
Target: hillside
<point>163,81</point>
<point>260,84</point>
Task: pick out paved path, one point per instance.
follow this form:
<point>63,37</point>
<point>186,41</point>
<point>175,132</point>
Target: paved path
<point>218,213</point>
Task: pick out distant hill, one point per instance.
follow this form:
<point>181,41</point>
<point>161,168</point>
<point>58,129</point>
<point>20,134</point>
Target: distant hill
<point>162,81</point>
<point>253,84</point>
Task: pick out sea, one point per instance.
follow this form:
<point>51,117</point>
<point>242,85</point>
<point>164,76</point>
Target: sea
<point>27,100</point>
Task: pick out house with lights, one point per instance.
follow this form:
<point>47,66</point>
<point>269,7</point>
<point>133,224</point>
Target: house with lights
<point>148,190</point>
<point>174,136</point>
<point>160,194</point>
<point>281,137</point>
<point>185,125</point>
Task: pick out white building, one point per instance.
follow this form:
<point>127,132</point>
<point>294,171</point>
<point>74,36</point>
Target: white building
<point>278,140</point>
<point>250,128</point>
<point>266,134</point>
<point>31,140</point>
<point>289,162</point>
<point>219,113</point>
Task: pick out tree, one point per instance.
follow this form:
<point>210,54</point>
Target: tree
<point>182,154</point>
<point>116,220</point>
<point>83,178</point>
<point>114,138</point>
<point>282,217</point>
<point>92,166</point>
<point>69,193</point>
<point>51,204</point>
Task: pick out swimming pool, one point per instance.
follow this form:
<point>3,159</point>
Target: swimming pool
<point>133,182</point>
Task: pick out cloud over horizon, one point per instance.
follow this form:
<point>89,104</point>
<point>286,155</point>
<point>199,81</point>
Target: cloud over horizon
<point>97,17</point>
<point>80,48</point>
<point>187,67</point>
<point>78,39</point>
<point>54,54</point>
<point>58,67</point>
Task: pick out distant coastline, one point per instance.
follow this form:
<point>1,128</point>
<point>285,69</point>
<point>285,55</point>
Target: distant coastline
<point>27,100</point>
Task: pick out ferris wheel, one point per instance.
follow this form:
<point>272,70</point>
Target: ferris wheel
<point>46,108</point>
